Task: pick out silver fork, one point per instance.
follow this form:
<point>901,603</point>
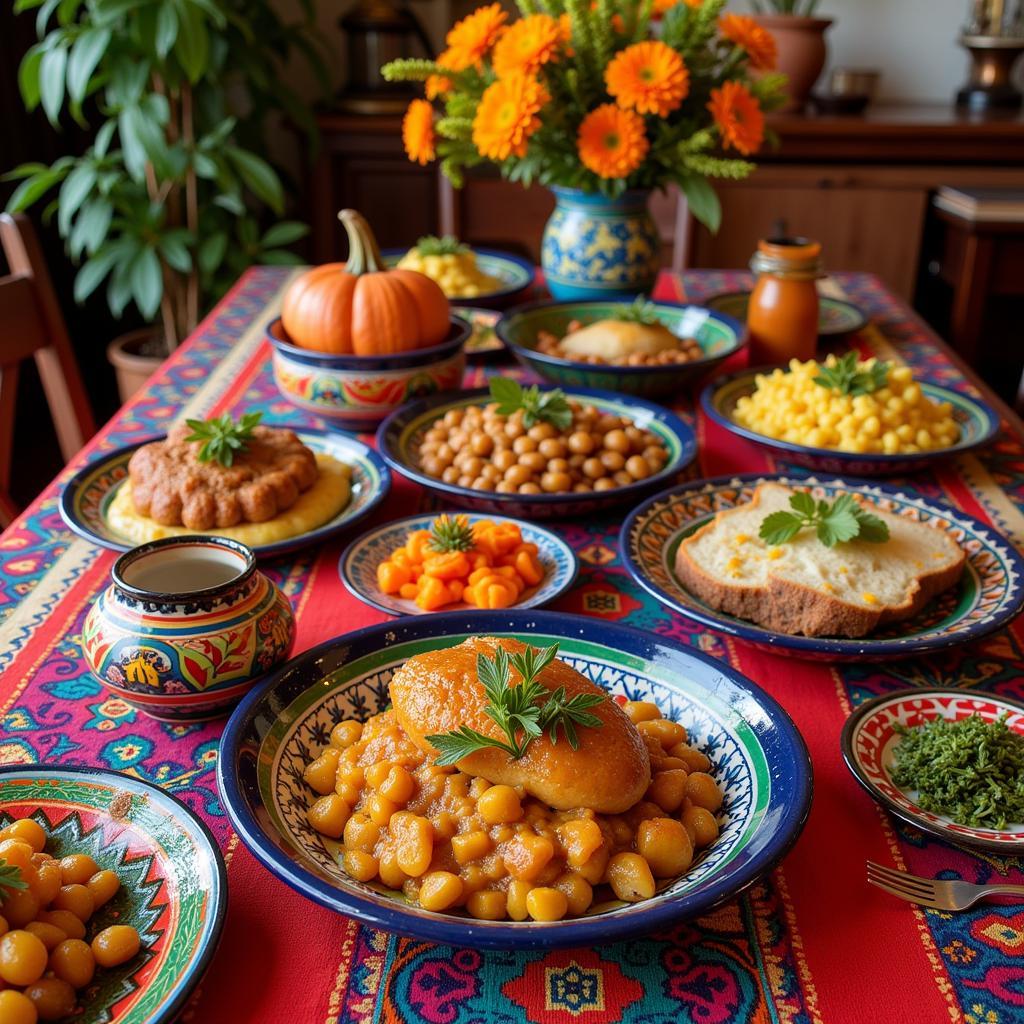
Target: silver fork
<point>931,892</point>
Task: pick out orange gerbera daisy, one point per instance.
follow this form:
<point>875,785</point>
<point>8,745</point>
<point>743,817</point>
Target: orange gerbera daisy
<point>507,115</point>
<point>612,142</point>
<point>527,45</point>
<point>745,33</point>
<point>648,77</point>
<point>437,85</point>
<point>738,116</point>
<point>418,132</point>
<point>470,39</point>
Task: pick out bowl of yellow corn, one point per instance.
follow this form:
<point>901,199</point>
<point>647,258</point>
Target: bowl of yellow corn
<point>849,415</point>
<point>476,277</point>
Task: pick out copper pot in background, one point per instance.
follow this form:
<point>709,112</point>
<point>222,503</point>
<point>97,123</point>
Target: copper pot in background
<point>802,52</point>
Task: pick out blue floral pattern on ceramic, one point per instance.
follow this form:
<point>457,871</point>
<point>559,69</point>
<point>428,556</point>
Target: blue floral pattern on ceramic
<point>358,564</point>
<point>595,247</point>
<point>760,762</point>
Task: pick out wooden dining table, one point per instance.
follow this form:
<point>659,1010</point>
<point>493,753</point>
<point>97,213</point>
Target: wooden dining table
<point>810,942</point>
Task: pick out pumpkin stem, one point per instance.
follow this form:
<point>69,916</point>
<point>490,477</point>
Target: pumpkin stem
<point>363,252</point>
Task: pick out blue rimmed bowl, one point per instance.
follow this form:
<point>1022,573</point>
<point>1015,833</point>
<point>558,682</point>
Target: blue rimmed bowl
<point>978,424</point>
<point>86,497</point>
<point>173,881</point>
<point>718,335</point>
<point>399,436</point>
<point>358,564</point>
<point>989,595</point>
<point>760,762</point>
<point>357,392</point>
<point>515,276</point>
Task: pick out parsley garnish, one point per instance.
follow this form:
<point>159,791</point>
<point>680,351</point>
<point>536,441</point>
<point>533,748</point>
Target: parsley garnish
<point>843,520</point>
<point>449,245</point>
<point>639,312</point>
<point>971,771</point>
<point>10,879</point>
<point>538,406</point>
<point>848,377</point>
<point>450,534</point>
<point>222,436</point>
<point>515,709</point>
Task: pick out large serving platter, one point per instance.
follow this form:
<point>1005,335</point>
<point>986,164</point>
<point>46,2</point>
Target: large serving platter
<point>989,596</point>
<point>173,879</point>
<point>358,564</point>
<point>869,740</point>
<point>978,424</point>
<point>761,764</point>
<point>399,436</point>
<point>87,495</point>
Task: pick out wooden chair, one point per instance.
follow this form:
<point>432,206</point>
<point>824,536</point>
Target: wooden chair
<point>31,325</point>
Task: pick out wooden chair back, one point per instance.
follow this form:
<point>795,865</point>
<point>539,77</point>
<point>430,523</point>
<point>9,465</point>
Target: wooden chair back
<point>31,326</point>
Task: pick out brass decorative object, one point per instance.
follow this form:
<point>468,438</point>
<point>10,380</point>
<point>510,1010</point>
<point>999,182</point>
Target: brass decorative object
<point>995,39</point>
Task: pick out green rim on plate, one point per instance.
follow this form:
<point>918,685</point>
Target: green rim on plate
<point>836,317</point>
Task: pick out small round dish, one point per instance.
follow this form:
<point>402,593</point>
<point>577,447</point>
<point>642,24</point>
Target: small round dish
<point>836,317</point>
<point>978,424</point>
<point>483,344</point>
<point>719,337</point>
<point>990,594</point>
<point>762,765</point>
<point>87,495</point>
<point>356,392</point>
<point>173,880</point>
<point>868,742</point>
<point>514,273</point>
<point>399,435</point>
<point>358,564</point>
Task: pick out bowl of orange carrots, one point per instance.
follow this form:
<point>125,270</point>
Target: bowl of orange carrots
<point>456,561</point>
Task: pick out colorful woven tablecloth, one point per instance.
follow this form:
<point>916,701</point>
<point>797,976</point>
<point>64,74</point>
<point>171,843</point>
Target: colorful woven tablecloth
<point>812,942</point>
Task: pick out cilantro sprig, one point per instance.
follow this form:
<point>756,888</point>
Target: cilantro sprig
<point>833,524</point>
<point>847,377</point>
<point>11,879</point>
<point>222,436</point>
<point>515,709</point>
<point>640,311</point>
<point>538,406</point>
<point>446,245</point>
<point>450,533</point>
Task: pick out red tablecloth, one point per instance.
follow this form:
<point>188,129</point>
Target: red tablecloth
<point>812,942</point>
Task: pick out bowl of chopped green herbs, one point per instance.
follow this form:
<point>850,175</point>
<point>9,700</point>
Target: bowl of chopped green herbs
<point>949,761</point>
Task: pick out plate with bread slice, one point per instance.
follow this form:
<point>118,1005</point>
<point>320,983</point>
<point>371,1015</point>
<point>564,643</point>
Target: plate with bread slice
<point>823,568</point>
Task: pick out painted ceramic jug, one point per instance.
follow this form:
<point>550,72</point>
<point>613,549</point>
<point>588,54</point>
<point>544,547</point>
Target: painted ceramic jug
<point>186,627</point>
<point>596,248</point>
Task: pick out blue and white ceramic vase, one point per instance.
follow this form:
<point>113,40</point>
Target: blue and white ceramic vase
<point>600,248</point>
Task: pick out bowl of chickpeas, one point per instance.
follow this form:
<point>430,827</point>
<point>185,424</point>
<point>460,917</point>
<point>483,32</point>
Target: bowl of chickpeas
<point>606,449</point>
<point>901,426</point>
<point>114,897</point>
<point>432,852</point>
<point>534,334</point>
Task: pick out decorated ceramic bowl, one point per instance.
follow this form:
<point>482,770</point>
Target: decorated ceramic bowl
<point>978,424</point>
<point>359,561</point>
<point>514,274</point>
<point>87,496</point>
<point>762,766</point>
<point>186,627</point>
<point>357,392</point>
<point>989,595</point>
<point>173,883</point>
<point>869,740</point>
<point>836,317</point>
<point>399,436</point>
<point>719,337</point>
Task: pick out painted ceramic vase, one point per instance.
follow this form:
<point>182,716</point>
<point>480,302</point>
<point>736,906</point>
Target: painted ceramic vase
<point>187,626</point>
<point>596,248</point>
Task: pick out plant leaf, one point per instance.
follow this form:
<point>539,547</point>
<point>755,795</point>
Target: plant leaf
<point>780,527</point>
<point>259,177</point>
<point>51,81</point>
<point>147,283</point>
<point>86,54</point>
<point>283,233</point>
<point>703,201</point>
<point>192,46</point>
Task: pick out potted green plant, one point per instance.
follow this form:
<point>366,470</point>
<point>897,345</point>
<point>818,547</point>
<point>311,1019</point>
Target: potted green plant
<point>172,201</point>
<point>800,38</point>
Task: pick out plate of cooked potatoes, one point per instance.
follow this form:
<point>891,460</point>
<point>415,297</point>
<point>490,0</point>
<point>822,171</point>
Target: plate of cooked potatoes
<point>847,414</point>
<point>467,275</point>
<point>114,895</point>
<point>513,779</point>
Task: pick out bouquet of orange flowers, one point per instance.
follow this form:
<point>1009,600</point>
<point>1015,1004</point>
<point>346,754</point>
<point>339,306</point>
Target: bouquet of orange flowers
<point>598,96</point>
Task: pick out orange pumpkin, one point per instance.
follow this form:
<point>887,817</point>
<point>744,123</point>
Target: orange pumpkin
<point>361,307</point>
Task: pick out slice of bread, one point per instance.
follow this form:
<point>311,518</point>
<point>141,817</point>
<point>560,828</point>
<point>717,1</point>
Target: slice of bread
<point>806,588</point>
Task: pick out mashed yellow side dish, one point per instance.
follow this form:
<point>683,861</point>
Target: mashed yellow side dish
<point>321,503</point>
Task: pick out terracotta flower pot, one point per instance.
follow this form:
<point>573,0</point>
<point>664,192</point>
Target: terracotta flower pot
<point>132,364</point>
<point>802,51</point>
